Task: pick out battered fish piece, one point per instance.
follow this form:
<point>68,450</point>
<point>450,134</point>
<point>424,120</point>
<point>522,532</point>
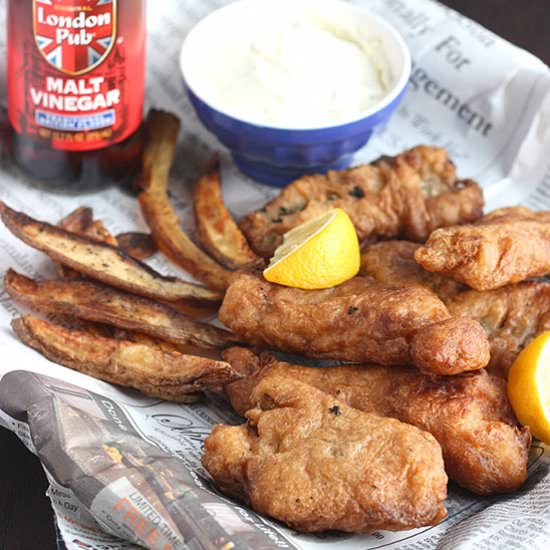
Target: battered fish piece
<point>406,196</point>
<point>512,316</point>
<point>506,246</point>
<point>392,262</point>
<point>469,415</point>
<point>360,320</point>
<point>310,461</point>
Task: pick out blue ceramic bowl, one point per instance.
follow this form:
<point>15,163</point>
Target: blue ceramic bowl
<point>277,156</point>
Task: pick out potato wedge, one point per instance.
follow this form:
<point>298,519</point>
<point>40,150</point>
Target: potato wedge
<point>147,368</point>
<point>138,245</point>
<point>93,329</point>
<point>218,232</point>
<point>102,261</point>
<point>76,222</point>
<point>141,338</point>
<point>81,222</point>
<point>98,232</point>
<point>99,303</point>
<point>159,213</point>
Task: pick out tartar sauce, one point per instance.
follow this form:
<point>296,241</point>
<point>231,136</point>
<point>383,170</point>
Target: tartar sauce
<point>301,72</point>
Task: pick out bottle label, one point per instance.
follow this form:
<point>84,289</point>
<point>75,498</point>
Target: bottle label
<point>71,83</point>
<point>74,41</point>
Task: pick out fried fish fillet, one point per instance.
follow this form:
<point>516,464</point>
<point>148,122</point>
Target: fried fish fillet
<point>469,415</point>
<point>392,262</point>
<point>307,459</point>
<point>406,196</point>
<point>504,247</point>
<point>512,316</point>
<point>358,321</point>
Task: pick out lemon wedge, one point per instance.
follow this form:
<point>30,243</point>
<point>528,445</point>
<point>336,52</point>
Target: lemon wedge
<point>529,387</point>
<point>320,253</point>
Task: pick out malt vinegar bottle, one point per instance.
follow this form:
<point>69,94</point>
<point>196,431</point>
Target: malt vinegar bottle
<point>76,72</point>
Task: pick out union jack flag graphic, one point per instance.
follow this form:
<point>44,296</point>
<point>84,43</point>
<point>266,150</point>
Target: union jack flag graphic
<point>75,35</point>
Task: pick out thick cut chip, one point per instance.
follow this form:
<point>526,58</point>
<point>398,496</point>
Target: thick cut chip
<point>102,261</point>
<point>146,367</point>
<point>102,304</point>
<point>159,213</point>
<point>78,220</point>
<point>81,222</point>
<point>98,232</point>
<point>218,232</point>
<point>311,461</point>
<point>140,246</point>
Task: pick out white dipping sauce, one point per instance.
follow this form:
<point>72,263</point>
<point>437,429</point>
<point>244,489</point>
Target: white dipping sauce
<point>295,69</point>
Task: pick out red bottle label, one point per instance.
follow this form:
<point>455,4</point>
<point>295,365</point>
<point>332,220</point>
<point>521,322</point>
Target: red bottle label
<point>76,71</point>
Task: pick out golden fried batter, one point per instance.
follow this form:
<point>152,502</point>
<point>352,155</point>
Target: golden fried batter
<point>392,262</point>
<point>504,247</point>
<point>359,321</point>
<point>450,347</point>
<point>512,316</point>
<point>310,461</point>
<point>405,196</point>
<point>469,415</point>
